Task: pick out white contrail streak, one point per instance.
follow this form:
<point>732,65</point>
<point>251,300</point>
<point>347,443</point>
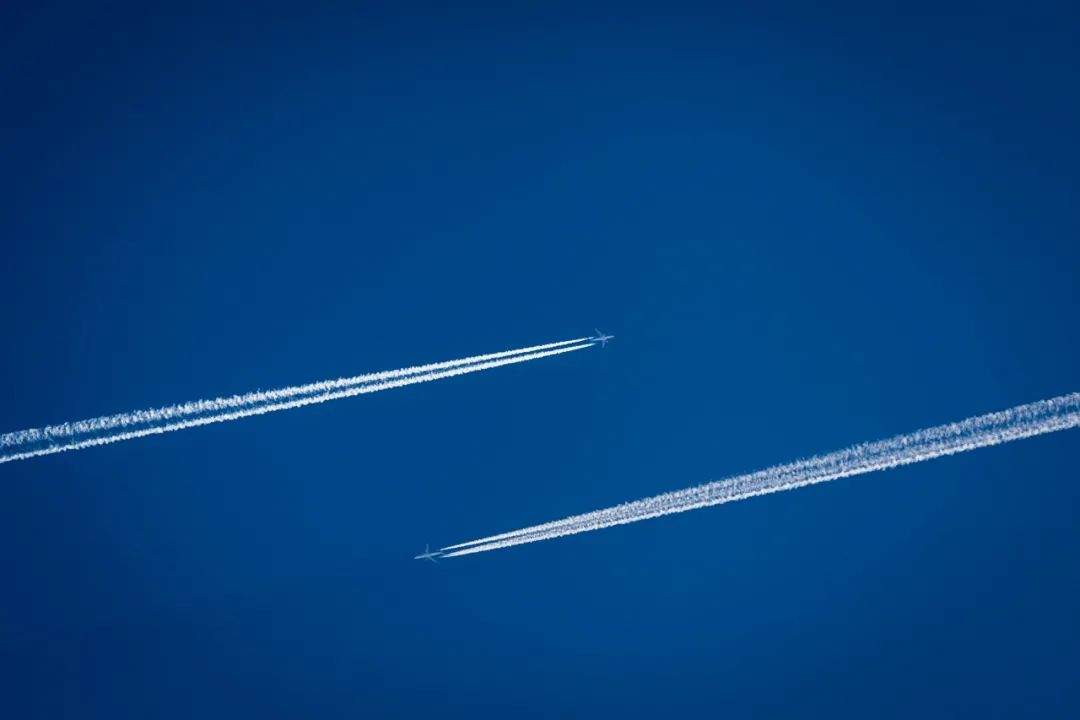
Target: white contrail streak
<point>1014,424</point>
<point>203,407</point>
<point>114,428</point>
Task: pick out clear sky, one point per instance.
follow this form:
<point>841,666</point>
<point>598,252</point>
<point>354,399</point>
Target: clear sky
<point>807,228</point>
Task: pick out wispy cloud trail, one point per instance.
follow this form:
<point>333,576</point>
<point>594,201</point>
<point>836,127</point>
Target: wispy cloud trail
<point>993,429</point>
<point>126,426</point>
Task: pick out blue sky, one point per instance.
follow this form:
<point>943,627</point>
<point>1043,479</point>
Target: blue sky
<point>807,229</point>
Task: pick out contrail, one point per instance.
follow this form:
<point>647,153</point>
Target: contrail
<point>982,431</point>
<point>126,426</point>
<point>202,407</point>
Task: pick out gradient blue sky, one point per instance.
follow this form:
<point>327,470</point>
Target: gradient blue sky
<point>808,228</point>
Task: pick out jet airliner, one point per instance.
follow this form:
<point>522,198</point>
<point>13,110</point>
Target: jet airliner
<point>602,338</point>
<point>428,555</point>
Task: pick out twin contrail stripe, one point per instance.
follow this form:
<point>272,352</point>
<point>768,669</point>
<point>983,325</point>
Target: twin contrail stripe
<point>235,402</point>
<point>1016,423</point>
<point>115,428</point>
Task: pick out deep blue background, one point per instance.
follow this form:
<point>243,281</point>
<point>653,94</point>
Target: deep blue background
<point>807,229</point>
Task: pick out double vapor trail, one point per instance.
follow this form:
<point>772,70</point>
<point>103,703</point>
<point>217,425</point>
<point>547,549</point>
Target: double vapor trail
<point>1014,424</point>
<point>126,426</point>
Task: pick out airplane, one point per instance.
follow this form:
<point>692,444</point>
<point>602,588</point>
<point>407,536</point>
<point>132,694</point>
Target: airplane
<point>428,555</point>
<point>602,338</point>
